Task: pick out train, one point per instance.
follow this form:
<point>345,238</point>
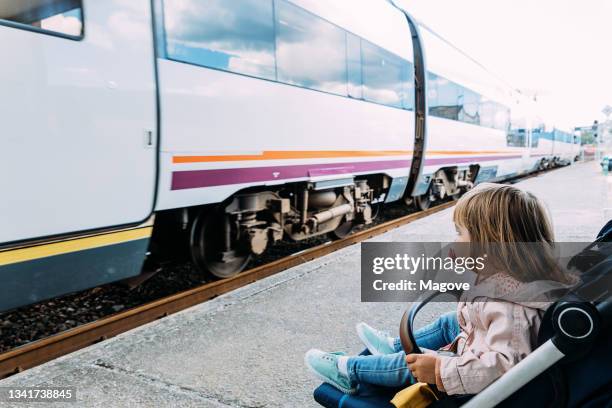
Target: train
<point>217,128</point>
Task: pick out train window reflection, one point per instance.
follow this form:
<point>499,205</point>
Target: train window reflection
<point>449,100</point>
<point>445,103</point>
<point>277,40</point>
<point>535,137</point>
<point>408,85</point>
<point>486,112</point>
<point>502,117</point>
<point>353,63</point>
<point>469,102</point>
<point>432,92</point>
<point>310,52</point>
<point>59,16</point>
<point>382,75</point>
<point>235,35</point>
<point>516,138</point>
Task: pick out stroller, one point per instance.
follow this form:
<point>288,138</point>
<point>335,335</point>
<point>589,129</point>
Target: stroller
<point>571,367</point>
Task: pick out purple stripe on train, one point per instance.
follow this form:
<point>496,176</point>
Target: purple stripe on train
<point>469,159</point>
<point>187,179</point>
<point>219,177</point>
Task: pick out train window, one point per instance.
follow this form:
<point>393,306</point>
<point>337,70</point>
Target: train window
<point>382,75</point>
<point>432,92</point>
<point>567,137</point>
<point>502,118</point>
<point>353,63</point>
<point>408,85</point>
<point>236,36</point>
<point>469,103</point>
<point>559,136</point>
<point>310,51</point>
<point>277,40</point>
<point>64,17</point>
<point>516,138</point>
<point>535,137</point>
<point>446,104</point>
<point>486,111</point>
<point>449,100</point>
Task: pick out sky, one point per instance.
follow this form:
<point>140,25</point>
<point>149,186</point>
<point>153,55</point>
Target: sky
<point>559,50</point>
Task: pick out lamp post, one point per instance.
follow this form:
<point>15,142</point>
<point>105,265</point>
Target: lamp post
<point>604,141</point>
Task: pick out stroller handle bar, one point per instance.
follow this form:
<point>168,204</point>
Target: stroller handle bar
<point>407,322</point>
<point>406,328</point>
<point>545,356</point>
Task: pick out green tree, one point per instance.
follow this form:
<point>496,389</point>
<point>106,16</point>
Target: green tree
<point>587,137</point>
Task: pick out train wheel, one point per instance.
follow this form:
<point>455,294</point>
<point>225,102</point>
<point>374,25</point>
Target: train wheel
<point>462,191</point>
<point>346,227</point>
<point>422,202</point>
<point>377,209</point>
<point>208,249</point>
<point>342,231</point>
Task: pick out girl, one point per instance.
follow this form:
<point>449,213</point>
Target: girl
<point>488,336</point>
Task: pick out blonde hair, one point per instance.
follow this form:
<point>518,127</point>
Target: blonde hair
<point>503,214</point>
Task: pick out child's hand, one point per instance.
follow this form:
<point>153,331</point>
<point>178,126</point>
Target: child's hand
<point>422,367</point>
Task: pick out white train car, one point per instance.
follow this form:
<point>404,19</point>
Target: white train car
<point>77,146</point>
<point>541,144</point>
<point>478,127</point>
<point>552,146</point>
<point>219,127</point>
<point>566,147</point>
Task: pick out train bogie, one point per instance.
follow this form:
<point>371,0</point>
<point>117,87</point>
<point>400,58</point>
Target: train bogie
<point>223,239</point>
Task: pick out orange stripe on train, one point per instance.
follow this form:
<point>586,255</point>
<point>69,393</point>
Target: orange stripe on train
<point>319,154</point>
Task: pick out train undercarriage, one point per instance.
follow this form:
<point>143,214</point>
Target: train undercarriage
<point>446,182</point>
<point>220,239</point>
<point>223,240</point>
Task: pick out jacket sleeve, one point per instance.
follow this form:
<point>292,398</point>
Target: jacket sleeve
<point>505,341</point>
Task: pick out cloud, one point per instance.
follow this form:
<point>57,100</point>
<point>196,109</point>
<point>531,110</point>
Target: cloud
<point>243,25</point>
<point>64,24</point>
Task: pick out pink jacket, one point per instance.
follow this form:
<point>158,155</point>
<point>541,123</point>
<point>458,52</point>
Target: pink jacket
<point>495,335</point>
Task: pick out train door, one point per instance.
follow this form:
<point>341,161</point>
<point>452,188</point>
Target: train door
<point>78,109</point>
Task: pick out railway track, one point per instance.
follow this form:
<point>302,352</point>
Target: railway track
<point>50,348</point>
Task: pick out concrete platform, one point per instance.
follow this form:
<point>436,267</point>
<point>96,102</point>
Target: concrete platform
<point>245,349</point>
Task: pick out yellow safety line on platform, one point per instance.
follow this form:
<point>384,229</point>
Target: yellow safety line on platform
<point>79,244</point>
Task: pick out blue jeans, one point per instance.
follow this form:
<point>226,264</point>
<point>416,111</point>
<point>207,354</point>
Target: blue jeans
<point>391,370</point>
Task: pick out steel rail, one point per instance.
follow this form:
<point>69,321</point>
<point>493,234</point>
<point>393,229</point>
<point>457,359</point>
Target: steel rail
<point>55,346</point>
